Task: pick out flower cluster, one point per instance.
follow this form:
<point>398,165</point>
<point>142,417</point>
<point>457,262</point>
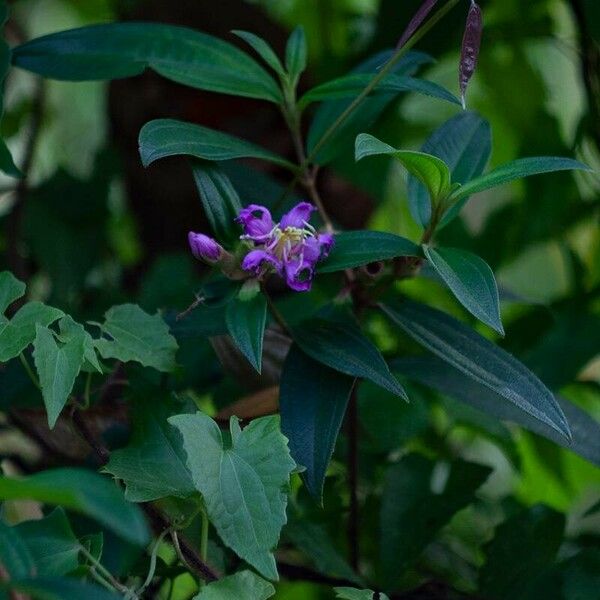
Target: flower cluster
<point>292,248</point>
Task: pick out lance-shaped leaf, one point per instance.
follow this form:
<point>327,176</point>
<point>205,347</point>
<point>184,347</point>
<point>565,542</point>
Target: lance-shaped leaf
<point>85,492</point>
<point>313,400</point>
<point>134,335</point>
<point>295,54</point>
<point>432,172</point>
<point>471,280</point>
<point>153,464</point>
<point>246,319</point>
<point>244,585</point>
<point>464,143</point>
<point>470,49</point>
<point>342,346</point>
<point>57,365</point>
<point>352,85</point>
<point>263,49</point>
<point>167,137</point>
<point>220,200</point>
<point>416,21</point>
<point>479,359</point>
<point>244,486</point>
<point>11,289</point>
<point>523,167</point>
<point>357,248</point>
<point>116,50</point>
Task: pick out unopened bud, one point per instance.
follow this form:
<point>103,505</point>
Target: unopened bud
<point>205,248</point>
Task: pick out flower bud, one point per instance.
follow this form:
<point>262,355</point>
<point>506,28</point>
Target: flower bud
<point>204,247</point>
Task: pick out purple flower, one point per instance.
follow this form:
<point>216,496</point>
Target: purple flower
<point>291,248</point>
<point>204,247</point>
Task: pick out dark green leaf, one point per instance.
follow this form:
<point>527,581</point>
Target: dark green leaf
<point>464,143</point>
<point>263,49</point>
<point>246,320</point>
<point>523,548</point>
<point>343,347</point>
<point>137,336</point>
<point>356,248</point>
<point>429,170</point>
<point>346,593</point>
<point>244,585</point>
<point>153,464</point>
<point>55,588</point>
<point>471,280</point>
<point>480,360</point>
<point>295,54</point>
<point>437,374</point>
<point>412,514</point>
<point>7,164</point>
<point>11,289</point>
<point>312,402</point>
<point>15,557</point>
<point>352,85</point>
<point>219,198</point>
<point>85,492</point>
<point>168,137</point>
<point>117,50</point>
<point>243,486</point>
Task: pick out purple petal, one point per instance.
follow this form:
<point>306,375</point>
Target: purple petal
<point>299,274</point>
<point>416,21</point>
<point>298,216</point>
<point>255,260</point>
<point>257,222</point>
<point>470,48</point>
<point>317,248</point>
<point>204,247</point>
<point>327,241</point>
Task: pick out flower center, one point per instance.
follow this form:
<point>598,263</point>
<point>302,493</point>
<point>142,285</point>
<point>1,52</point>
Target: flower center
<point>287,239</point>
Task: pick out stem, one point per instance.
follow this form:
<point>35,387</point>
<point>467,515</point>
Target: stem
<point>353,517</point>
<point>204,535</point>
<point>152,568</point>
<point>105,573</point>
<point>86,391</point>
<point>29,371</point>
<point>420,33</point>
<point>275,312</point>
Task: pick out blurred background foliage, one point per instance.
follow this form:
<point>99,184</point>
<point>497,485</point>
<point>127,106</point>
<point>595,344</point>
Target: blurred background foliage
<point>89,228</point>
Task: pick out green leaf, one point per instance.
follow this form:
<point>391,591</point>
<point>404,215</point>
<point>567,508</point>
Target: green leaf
<point>153,464</point>
<point>295,54</point>
<point>435,373</point>
<point>246,320</point>
<point>11,289</point>
<point>263,49</point>
<point>351,86</point>
<point>471,280</point>
<point>523,167</point>
<point>15,557</point>
<point>244,486</point>
<point>432,172</point>
<point>343,347</point>
<point>464,143</point>
<point>70,330</point>
<point>52,544</point>
<point>118,50</point>
<point>347,593</point>
<point>522,549</point>
<point>480,360</point>
<point>412,514</point>
<point>312,401</point>
<point>20,331</point>
<point>137,336</point>
<point>244,585</point>
<point>168,137</point>
<point>82,491</point>
<point>357,248</point>
<point>55,588</point>
<point>7,164</point>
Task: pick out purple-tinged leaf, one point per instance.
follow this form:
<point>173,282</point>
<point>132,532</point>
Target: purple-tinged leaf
<point>470,48</point>
<point>416,21</point>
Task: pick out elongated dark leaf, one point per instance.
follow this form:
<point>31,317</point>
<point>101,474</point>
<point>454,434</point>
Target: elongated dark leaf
<point>246,320</point>
<point>356,248</point>
<point>470,48</point>
<point>312,402</point>
<point>342,346</point>
<point>464,143</point>
<point>219,198</point>
<point>60,588</point>
<point>263,49</point>
<point>295,54</point>
<point>439,375</point>
<point>352,85</point>
<point>480,360</point>
<point>471,280</point>
<point>167,137</point>
<point>116,50</point>
<point>415,22</point>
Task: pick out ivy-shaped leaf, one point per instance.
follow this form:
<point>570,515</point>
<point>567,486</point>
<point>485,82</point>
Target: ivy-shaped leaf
<point>244,585</point>
<point>11,289</point>
<point>244,486</point>
<point>137,336</point>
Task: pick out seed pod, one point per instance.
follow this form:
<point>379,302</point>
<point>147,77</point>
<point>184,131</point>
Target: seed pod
<point>470,48</point>
<point>416,21</point>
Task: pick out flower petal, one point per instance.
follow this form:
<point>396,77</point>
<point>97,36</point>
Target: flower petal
<point>257,222</point>
<point>299,274</point>
<point>298,216</point>
<point>255,260</point>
